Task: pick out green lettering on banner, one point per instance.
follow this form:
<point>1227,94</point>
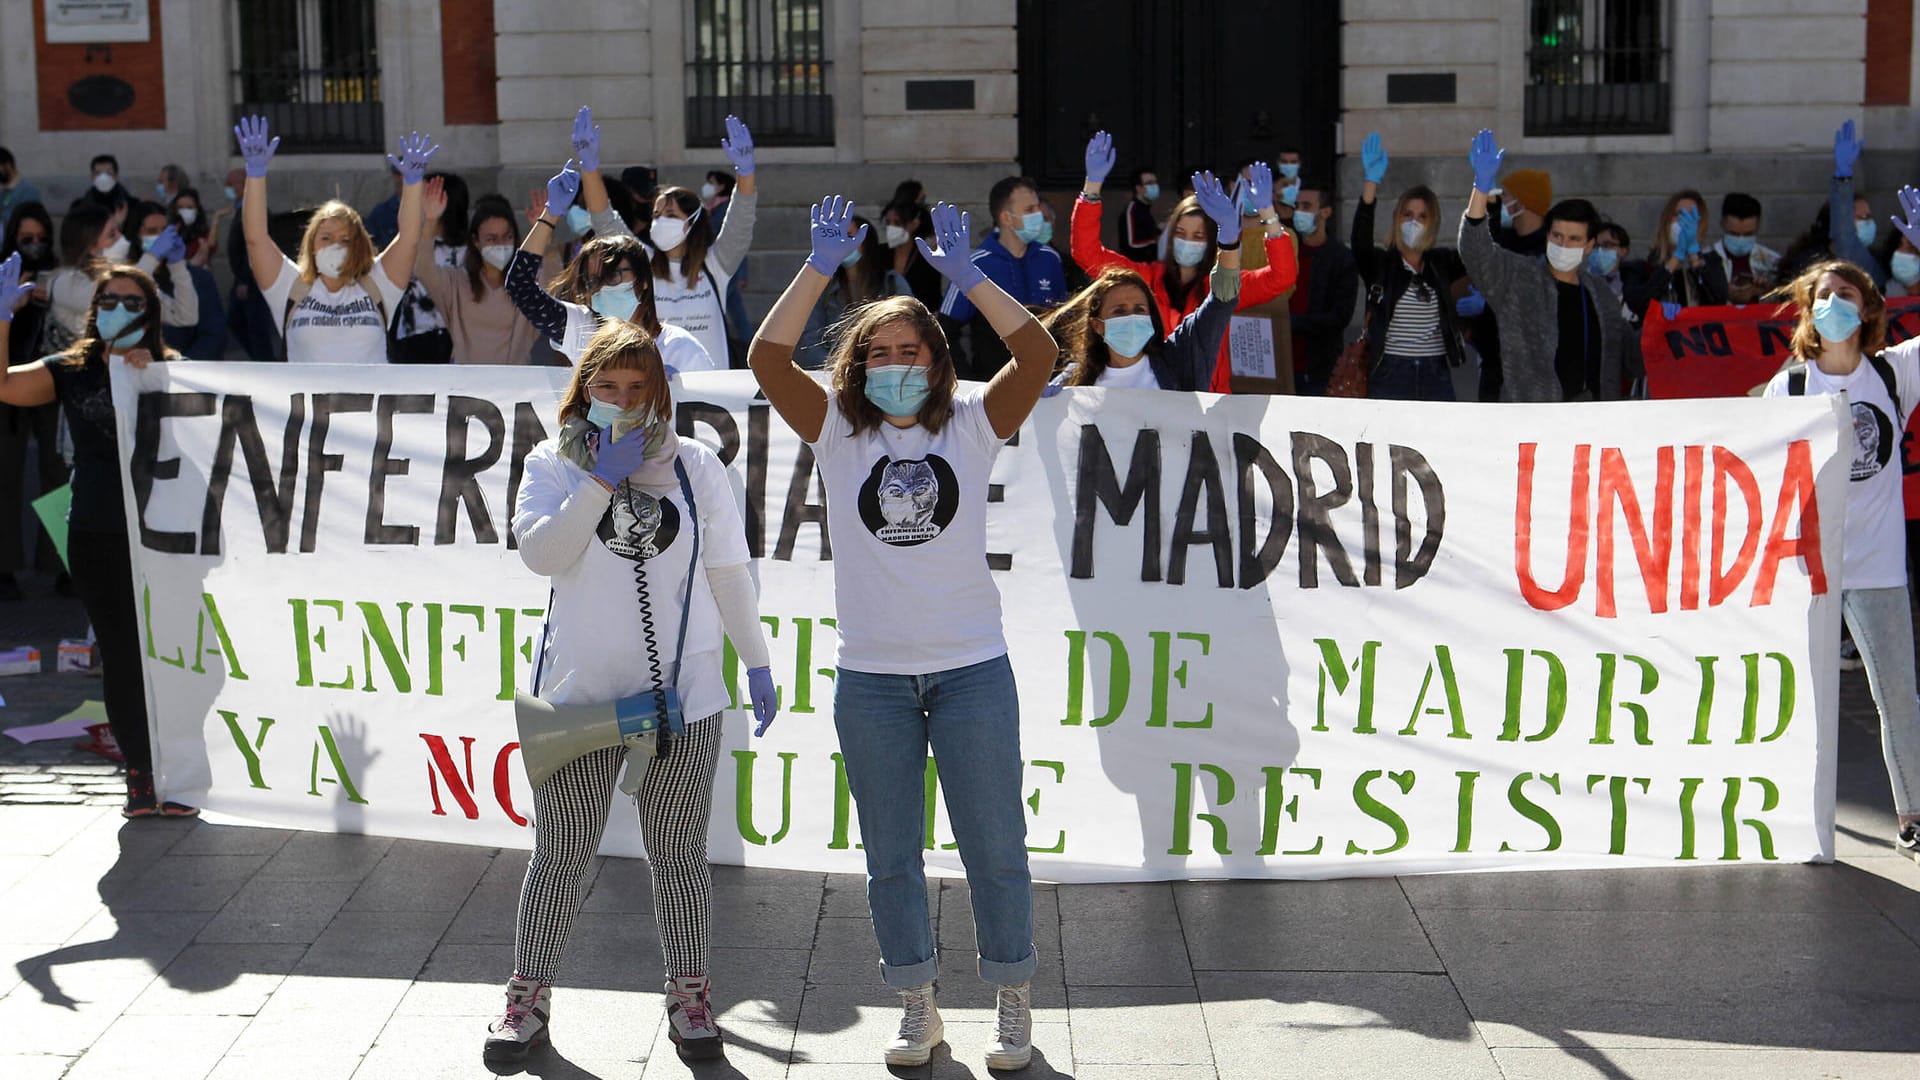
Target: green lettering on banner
<point>1184,783</point>
<point>1617,800</point>
<point>179,657</point>
<point>340,775</point>
<point>1603,712</point>
<point>743,797</point>
<point>931,779</point>
<point>1163,668</point>
<point>1463,829</point>
<point>1533,811</point>
<point>437,637</point>
<point>1334,666</point>
<point>1450,687</point>
<point>305,640</point>
<point>1278,802</point>
<point>803,670</point>
<point>1750,711</point>
<point>1704,711</point>
<point>511,643</point>
<point>842,807</point>
<point>378,634</point>
<point>1380,811</point>
<point>1556,694</point>
<point>1769,799</point>
<point>1689,786</point>
<point>250,753</point>
<point>1120,678</point>
<point>1059,771</point>
<point>210,613</point>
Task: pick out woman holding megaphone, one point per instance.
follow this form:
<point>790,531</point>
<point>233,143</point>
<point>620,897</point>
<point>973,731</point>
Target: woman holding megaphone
<point>638,532</point>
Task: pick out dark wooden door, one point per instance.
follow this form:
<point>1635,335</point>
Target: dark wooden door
<point>1180,85</point>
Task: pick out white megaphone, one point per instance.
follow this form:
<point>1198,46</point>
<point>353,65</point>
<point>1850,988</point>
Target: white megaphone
<point>552,736</point>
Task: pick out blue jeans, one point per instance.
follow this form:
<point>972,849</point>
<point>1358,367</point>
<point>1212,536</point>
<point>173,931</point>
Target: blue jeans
<point>1882,626</point>
<point>1411,378</point>
<point>970,716</point>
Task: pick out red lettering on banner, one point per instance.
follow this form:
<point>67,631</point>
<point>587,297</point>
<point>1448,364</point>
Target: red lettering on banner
<point>502,789</point>
<point>459,778</point>
<point>1690,529</point>
<point>1726,465</point>
<point>1652,541</point>
<point>1796,488</point>
<point>1576,574</point>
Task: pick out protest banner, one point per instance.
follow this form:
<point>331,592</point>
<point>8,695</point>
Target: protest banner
<point>1254,637</point>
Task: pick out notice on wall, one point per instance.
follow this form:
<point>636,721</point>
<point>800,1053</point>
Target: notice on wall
<point>89,21</point>
<point>1250,347</point>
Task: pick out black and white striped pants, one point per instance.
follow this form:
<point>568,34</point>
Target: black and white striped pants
<point>570,813</point>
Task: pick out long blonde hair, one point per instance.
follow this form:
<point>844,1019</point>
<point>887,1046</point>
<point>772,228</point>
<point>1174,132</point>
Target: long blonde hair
<point>359,246</point>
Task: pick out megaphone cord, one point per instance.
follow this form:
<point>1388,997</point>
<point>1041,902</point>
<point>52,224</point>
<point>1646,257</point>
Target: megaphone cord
<point>650,638</point>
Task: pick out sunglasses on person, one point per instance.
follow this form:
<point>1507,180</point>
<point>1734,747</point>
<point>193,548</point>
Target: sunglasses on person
<point>134,304</point>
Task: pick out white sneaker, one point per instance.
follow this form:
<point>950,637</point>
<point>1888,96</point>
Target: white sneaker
<point>1012,1045</point>
<point>524,1024</point>
<point>920,1028</point>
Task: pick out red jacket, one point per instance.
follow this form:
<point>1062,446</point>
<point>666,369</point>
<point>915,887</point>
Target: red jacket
<point>1256,286</point>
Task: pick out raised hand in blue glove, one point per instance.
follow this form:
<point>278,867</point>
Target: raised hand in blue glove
<point>414,156</point>
<point>1670,309</point>
<point>954,255</point>
<point>1846,151</point>
<point>563,189</point>
<point>1471,305</point>
<point>1373,158</point>
<point>1100,158</point>
<point>1051,389</point>
<point>586,140</point>
<point>168,247</point>
<point>12,292</point>
<point>255,148</point>
<point>1218,206</point>
<point>834,237</point>
<point>765,698</point>
<point>1486,157</point>
<point>619,458</point>
<point>739,146</point>
<point>1909,205</point>
<point>1260,187</point>
<point>1687,222</point>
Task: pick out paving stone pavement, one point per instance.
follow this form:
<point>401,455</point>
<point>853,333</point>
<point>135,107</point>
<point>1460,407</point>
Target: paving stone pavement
<point>193,949</point>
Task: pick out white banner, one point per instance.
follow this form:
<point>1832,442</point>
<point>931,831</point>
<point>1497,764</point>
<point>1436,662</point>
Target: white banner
<point>1254,637</point>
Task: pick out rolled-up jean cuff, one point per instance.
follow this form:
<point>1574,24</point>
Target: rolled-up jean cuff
<point>1010,974</point>
<point>910,976</point>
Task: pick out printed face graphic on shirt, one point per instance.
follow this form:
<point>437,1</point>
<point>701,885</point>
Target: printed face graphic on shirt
<point>905,503</point>
<point>1874,441</point>
<point>637,526</point>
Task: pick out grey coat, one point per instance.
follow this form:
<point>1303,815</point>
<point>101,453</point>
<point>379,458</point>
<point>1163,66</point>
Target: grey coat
<point>1522,292</point>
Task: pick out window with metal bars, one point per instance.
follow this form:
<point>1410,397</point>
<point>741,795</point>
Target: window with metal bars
<point>1599,67</point>
<point>312,68</point>
<point>764,61</point>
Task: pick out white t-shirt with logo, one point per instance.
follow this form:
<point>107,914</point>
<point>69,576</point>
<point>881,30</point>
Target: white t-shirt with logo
<point>907,512</point>
<point>1876,513</point>
<point>1135,376</point>
<point>595,647</point>
<point>342,327</point>
<point>696,307</point>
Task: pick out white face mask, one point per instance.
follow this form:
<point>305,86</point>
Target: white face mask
<point>330,260</point>
<point>1564,259</point>
<point>189,215</point>
<point>117,251</point>
<point>667,233</point>
<point>1411,233</point>
<point>894,236</point>
<point>708,190</point>
<point>497,255</point>
<point>104,182</point>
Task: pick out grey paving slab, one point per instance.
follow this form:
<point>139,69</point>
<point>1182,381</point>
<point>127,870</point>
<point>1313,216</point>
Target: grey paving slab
<point>1145,1072</point>
<point>297,1062</point>
<point>448,1048</point>
<point>212,839</point>
<point>42,830</point>
<point>777,916</point>
<point>328,1020</point>
<point>1362,924</point>
<point>1890,883</point>
<point>1340,1026</point>
<point>488,914</point>
<point>753,1051</point>
<point>600,1025</point>
<point>418,876</point>
<point>965,1052</point>
<point>808,1070</point>
<point>1797,887</point>
<point>326,857</point>
<point>160,1047</point>
<point>845,897</point>
<point>1123,935</point>
<point>1726,1063</point>
<point>461,980</point>
<point>277,910</point>
<point>376,944</point>
<point>15,867</point>
<point>612,952</point>
<point>34,1066</point>
<point>846,1024</point>
<point>1137,1025</point>
<point>218,980</point>
<point>759,985</point>
<point>844,953</point>
<point>149,941</point>
<point>190,882</point>
<point>1621,979</point>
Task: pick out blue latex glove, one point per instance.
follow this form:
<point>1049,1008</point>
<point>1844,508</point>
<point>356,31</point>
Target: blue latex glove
<point>1846,151</point>
<point>1471,305</point>
<point>739,146</point>
<point>832,233</point>
<point>672,372</point>
<point>168,247</point>
<point>618,458</point>
<point>1670,309</point>
<point>1100,157</point>
<point>255,148</point>
<point>1260,185</point>
<point>1218,206</point>
<point>1373,158</point>
<point>765,698</point>
<point>1486,157</point>
<point>586,140</point>
<point>1910,206</point>
<point>414,155</point>
<point>11,290</point>
<point>954,256</point>
<point>562,190</point>
<point>1689,222</point>
<point>1051,389</point>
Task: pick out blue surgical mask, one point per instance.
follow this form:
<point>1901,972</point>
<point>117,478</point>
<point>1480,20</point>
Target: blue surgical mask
<point>1835,317</point>
<point>897,390</point>
<point>1866,229</point>
<point>160,190</point>
<point>1603,260</point>
<point>578,219</point>
<point>1506,217</point>
<point>1029,231</point>
<point>1248,206</point>
<point>1740,245</point>
<point>1906,267</point>
<point>1289,170</point>
<point>616,302</point>
<point>147,242</point>
<point>232,195</point>
<point>118,328</point>
<point>1291,193</point>
<point>1126,335</point>
<point>1046,233</point>
<point>1189,252</point>
<point>605,414</point>
<point>1152,192</point>
<point>852,257</point>
<point>1305,222</point>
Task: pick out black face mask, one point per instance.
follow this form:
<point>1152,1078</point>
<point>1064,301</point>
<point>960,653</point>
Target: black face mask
<point>33,251</point>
